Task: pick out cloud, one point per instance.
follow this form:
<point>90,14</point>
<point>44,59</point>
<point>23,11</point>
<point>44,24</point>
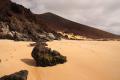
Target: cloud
<point>102,14</point>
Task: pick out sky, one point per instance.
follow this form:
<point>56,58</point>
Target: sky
<point>101,14</point>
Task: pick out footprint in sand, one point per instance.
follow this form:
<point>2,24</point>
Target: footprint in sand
<point>11,56</point>
<point>6,59</point>
<point>0,60</point>
<point>14,49</point>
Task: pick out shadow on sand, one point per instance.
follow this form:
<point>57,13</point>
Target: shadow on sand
<point>29,62</point>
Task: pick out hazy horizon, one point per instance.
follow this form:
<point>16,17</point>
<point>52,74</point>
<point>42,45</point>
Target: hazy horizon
<point>96,13</point>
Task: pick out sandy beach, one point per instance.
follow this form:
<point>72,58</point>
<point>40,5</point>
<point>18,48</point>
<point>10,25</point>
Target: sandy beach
<point>87,60</point>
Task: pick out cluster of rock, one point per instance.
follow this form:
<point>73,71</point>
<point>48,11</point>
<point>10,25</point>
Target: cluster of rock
<point>44,56</point>
<point>21,75</point>
<point>20,24</point>
<point>6,33</point>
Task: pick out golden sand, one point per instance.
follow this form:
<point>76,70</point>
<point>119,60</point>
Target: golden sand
<point>87,60</point>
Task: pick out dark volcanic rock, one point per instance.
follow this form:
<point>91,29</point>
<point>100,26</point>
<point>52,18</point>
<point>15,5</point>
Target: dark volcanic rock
<point>20,24</point>
<point>20,37</point>
<point>44,56</point>
<point>21,75</point>
<point>4,31</point>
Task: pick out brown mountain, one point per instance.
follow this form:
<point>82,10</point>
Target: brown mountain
<point>58,23</point>
<point>19,23</point>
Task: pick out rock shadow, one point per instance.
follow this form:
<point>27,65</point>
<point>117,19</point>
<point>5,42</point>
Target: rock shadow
<point>29,62</point>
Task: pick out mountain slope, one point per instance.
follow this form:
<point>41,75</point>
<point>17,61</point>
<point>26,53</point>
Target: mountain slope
<point>58,23</point>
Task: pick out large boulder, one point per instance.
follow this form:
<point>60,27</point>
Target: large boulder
<point>21,75</point>
<point>20,36</point>
<point>44,56</point>
<point>5,32</point>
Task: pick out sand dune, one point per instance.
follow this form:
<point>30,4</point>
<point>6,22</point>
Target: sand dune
<point>87,60</point>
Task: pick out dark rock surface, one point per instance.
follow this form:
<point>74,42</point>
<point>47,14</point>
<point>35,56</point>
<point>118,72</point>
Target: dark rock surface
<point>44,56</point>
<point>21,75</point>
<point>20,24</point>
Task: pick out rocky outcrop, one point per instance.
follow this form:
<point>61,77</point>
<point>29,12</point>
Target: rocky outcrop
<point>20,24</point>
<point>6,32</point>
<point>21,75</point>
<point>44,56</point>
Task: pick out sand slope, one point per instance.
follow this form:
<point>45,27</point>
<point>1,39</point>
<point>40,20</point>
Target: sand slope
<point>87,60</point>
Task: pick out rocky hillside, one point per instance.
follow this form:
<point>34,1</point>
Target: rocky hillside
<point>58,23</point>
<point>19,23</point>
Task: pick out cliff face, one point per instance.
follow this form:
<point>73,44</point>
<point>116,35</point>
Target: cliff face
<point>19,23</point>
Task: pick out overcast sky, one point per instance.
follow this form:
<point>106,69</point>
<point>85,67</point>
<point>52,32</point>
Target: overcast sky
<point>102,14</point>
